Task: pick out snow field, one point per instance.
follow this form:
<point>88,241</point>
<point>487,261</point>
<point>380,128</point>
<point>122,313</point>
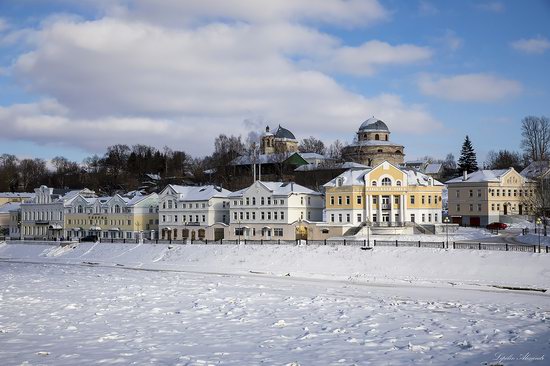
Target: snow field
<point>67,315</point>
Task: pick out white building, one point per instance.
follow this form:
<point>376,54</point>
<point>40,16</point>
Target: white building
<point>43,216</point>
<point>267,210</point>
<point>185,212</point>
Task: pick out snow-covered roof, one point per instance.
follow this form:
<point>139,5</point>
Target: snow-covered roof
<point>346,165</point>
<point>416,178</point>
<point>260,159</point>
<point>10,206</point>
<point>480,176</point>
<point>375,143</point>
<point>199,193</point>
<point>312,156</point>
<point>16,195</point>
<point>536,169</point>
<point>279,189</point>
<point>349,178</point>
<point>433,168</point>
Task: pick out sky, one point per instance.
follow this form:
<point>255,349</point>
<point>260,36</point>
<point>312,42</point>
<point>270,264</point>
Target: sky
<point>78,76</point>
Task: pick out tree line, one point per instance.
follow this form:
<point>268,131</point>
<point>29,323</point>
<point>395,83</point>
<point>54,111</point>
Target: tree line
<point>124,168</point>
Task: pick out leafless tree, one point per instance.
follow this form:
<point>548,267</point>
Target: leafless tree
<point>535,133</point>
<point>537,199</point>
<point>312,145</point>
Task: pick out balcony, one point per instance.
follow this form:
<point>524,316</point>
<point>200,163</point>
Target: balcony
<point>386,206</point>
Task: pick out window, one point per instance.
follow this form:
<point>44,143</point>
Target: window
<point>254,200</point>
<point>331,217</point>
<point>375,200</point>
<point>348,217</point>
<point>457,208</point>
<point>374,217</point>
<point>275,215</point>
<point>412,218</point>
<point>359,218</point>
<point>398,183</point>
<point>429,217</point>
<point>241,216</point>
<point>412,200</point>
<point>423,199</point>
<point>479,206</point>
<point>386,181</point>
<point>79,209</point>
<point>515,192</point>
<point>309,215</point>
<point>509,192</point>
<point>457,193</point>
<point>339,182</point>
<point>282,202</point>
<point>263,215</point>
<point>239,231</point>
<point>253,215</point>
<point>175,219</point>
<point>274,202</point>
<point>498,192</point>
<point>348,200</point>
<point>479,192</point>
<point>204,205</point>
<point>435,218</point>
<point>269,215</point>
<point>339,217</point>
<point>248,215</point>
<point>373,183</point>
<point>128,235</point>
<point>302,215</point>
<point>423,217</point>
<point>247,201</point>
<point>269,200</point>
<point>471,207</point>
<point>309,200</point>
<point>203,218</point>
<point>277,232</point>
<point>234,216</point>
<point>170,204</point>
<point>492,206</point>
<point>429,200</point>
<point>359,200</point>
<point>282,215</point>
<point>377,137</point>
<point>332,200</point>
<point>301,200</point>
<point>339,200</point>
<point>262,201</point>
<point>163,218</point>
<point>396,200</point>
<point>130,221</point>
<point>471,192</point>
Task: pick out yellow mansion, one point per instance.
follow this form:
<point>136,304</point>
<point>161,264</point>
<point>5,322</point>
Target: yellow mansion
<point>384,195</point>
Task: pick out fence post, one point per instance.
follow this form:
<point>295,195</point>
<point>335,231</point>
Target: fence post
<point>479,246</point>
<point>307,242</point>
<point>443,244</point>
<point>419,244</point>
<point>453,245</point>
<point>534,248</point>
<point>325,241</point>
<point>344,241</point>
<point>547,249</point>
<point>506,246</point>
<point>112,240</point>
<point>396,244</point>
<point>539,249</point>
<point>206,241</point>
<point>365,242</point>
<point>374,242</point>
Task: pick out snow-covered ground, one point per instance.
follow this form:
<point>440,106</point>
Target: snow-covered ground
<point>234,305</point>
<point>462,233</point>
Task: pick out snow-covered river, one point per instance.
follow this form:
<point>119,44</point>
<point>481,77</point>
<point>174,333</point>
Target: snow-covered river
<point>65,315</point>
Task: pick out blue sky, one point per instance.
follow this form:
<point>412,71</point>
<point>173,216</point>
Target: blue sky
<point>76,77</point>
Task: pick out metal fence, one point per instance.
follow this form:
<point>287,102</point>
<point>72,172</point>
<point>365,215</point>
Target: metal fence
<point>332,242</point>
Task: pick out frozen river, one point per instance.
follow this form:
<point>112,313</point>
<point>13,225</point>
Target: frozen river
<point>66,315</point>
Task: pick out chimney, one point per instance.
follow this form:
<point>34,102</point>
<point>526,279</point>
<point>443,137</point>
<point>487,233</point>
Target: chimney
<point>465,175</point>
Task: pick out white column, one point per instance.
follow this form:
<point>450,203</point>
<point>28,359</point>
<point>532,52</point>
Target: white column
<point>403,202</point>
<point>379,218</point>
<point>392,214</point>
<point>368,207</point>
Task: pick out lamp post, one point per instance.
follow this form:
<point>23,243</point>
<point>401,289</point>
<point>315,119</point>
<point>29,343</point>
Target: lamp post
<point>446,221</point>
<point>538,222</point>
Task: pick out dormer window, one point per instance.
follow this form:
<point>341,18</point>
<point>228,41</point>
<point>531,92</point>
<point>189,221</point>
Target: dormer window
<point>340,182</point>
<point>398,183</point>
<point>386,182</point>
<point>373,183</point>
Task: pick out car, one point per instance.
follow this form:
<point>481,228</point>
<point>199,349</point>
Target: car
<point>89,238</point>
<point>497,226</point>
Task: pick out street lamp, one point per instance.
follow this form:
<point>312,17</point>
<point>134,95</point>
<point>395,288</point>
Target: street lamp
<point>446,221</point>
<point>538,222</point>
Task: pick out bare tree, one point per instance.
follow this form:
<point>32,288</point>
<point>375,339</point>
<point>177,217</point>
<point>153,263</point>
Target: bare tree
<point>537,200</point>
<point>312,145</point>
<point>535,133</point>
<point>504,159</point>
<point>335,151</point>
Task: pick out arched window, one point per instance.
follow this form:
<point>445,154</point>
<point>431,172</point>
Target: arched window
<point>397,152</point>
<point>379,150</point>
<point>386,181</point>
<point>373,183</point>
<point>117,209</point>
<point>377,137</point>
<point>398,183</point>
<point>79,209</point>
<point>386,137</point>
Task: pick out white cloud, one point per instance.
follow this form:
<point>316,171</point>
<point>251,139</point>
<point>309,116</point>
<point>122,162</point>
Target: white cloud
<point>364,59</point>
<point>116,80</point>
<point>534,45</point>
<point>491,6</point>
<point>4,25</point>
<point>450,40</point>
<point>469,87</point>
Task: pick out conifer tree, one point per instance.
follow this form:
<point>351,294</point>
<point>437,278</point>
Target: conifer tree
<point>467,161</point>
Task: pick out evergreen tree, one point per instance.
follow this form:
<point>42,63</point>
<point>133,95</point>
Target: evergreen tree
<point>467,161</point>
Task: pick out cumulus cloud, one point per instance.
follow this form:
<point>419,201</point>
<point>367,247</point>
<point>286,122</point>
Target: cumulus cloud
<point>117,79</point>
<point>469,87</point>
<point>450,40</point>
<point>536,45</point>
<point>364,60</point>
<point>426,8</point>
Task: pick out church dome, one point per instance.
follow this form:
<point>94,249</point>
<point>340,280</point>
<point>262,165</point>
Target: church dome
<point>374,124</point>
<point>284,133</point>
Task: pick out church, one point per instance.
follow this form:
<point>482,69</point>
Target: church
<point>372,145</point>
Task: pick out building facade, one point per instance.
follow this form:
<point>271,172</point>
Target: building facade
<point>272,210</point>
<point>373,145</point>
<point>186,212</point>
<point>43,216</point>
<point>487,196</point>
<point>118,217</point>
<point>281,142</point>
<point>383,195</point>
<point>6,197</point>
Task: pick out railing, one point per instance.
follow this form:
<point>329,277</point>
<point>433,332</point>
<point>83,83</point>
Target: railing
<point>332,242</point>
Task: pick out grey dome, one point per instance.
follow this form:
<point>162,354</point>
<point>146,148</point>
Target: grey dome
<point>284,133</point>
<point>374,124</point>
